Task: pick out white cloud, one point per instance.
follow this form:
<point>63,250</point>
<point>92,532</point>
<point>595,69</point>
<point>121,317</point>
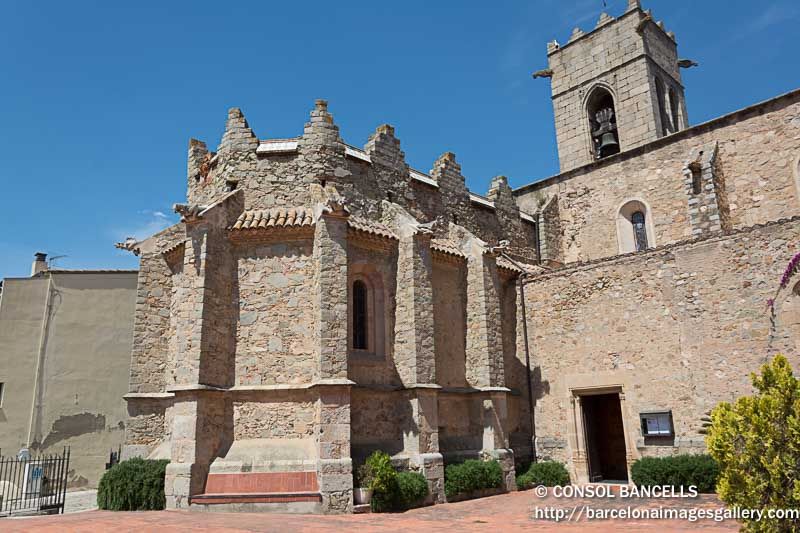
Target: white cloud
<point>148,223</point>
<point>773,15</point>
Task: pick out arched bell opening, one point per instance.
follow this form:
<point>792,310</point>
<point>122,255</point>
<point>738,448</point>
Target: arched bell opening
<point>603,123</point>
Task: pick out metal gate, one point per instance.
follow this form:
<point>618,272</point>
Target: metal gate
<point>32,485</point>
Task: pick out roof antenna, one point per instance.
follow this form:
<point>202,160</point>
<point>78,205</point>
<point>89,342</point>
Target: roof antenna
<point>54,259</point>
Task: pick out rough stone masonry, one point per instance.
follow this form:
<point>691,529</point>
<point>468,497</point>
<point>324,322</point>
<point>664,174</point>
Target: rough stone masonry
<point>320,301</point>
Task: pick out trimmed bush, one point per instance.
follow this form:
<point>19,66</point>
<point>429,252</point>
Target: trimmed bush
<point>677,471</point>
<point>756,442</point>
<point>472,475</point>
<point>547,473</point>
<point>133,485</point>
<point>391,490</point>
<point>384,481</point>
<point>412,488</point>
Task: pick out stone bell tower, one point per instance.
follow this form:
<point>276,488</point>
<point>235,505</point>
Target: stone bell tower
<point>615,87</point>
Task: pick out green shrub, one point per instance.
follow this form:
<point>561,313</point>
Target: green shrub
<point>547,473</point>
<point>133,485</point>
<point>677,471</point>
<point>384,481</point>
<point>412,487</point>
<point>472,475</point>
<point>756,442</point>
<point>364,476</point>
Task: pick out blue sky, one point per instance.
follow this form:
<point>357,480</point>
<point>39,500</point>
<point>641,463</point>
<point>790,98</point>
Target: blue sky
<point>98,99</point>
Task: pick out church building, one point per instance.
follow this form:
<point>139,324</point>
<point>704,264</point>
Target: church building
<point>319,301</point>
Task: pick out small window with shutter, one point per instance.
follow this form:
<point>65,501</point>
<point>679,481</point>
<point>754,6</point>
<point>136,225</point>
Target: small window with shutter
<point>657,424</point>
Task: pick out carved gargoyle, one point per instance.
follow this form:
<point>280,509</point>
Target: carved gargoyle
<point>188,212</point>
<point>687,63</point>
<point>544,73</point>
<point>648,17</point>
<point>130,244</point>
<point>501,247</point>
<point>336,204</point>
<point>426,228</point>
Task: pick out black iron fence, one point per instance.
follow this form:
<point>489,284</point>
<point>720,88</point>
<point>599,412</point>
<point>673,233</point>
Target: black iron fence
<point>33,484</point>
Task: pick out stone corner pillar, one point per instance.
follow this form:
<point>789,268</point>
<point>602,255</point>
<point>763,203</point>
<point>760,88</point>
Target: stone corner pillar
<point>415,357</point>
<point>495,435</point>
<point>414,336</point>
<point>330,296</point>
<point>422,443</point>
<point>332,431</point>
<point>484,330</point>
<point>197,429</point>
<point>332,419</point>
<point>201,365</point>
<point>485,363</point>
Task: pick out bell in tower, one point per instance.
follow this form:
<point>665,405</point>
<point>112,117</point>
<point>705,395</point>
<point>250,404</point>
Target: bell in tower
<point>605,133</point>
<point>603,123</point>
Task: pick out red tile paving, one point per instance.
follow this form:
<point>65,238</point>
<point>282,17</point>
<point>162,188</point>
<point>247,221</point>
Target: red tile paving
<point>262,482</point>
<point>506,512</point>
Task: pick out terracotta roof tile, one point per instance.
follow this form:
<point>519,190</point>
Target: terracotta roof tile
<point>502,262</point>
<point>280,217</point>
<point>446,246</point>
<point>368,226</point>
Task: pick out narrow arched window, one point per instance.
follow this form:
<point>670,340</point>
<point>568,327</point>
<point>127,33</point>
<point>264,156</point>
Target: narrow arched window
<point>360,318</point>
<point>673,105</point>
<point>662,113</point>
<point>639,230</point>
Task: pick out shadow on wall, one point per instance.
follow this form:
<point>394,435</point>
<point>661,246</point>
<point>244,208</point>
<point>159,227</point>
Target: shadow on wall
<point>516,373</point>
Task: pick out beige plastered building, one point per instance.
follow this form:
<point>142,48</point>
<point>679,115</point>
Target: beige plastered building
<point>65,341</point>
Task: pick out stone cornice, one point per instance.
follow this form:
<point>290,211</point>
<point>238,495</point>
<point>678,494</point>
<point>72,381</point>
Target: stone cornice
<point>666,248</point>
<point>171,391</point>
<point>148,396</point>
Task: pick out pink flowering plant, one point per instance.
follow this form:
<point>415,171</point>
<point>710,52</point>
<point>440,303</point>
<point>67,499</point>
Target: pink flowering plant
<point>788,273</point>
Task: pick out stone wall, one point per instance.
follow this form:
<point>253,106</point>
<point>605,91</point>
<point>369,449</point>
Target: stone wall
<point>154,295</point>
<point>757,151</point>
<point>379,418</point>
<point>460,423</point>
<point>146,425</point>
<point>284,415</point>
<point>450,325</point>
<point>274,344</point>
<point>680,329</point>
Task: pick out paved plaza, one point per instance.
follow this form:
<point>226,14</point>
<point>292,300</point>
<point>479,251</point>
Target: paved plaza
<point>507,512</point>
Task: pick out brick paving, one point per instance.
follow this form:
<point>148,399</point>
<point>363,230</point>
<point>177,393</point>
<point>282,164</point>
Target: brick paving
<point>506,512</point>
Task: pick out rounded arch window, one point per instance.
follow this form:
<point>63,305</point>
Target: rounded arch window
<point>360,315</point>
<point>639,231</point>
<point>634,227</point>
<point>366,312</point>
<point>602,116</point>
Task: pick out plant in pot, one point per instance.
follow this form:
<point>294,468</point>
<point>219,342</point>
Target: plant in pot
<point>364,478</point>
